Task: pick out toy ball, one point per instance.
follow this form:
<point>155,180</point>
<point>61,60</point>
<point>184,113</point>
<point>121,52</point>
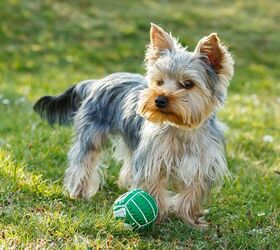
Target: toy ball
<point>136,208</point>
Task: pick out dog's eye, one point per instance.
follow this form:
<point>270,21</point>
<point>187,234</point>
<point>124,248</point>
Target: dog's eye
<point>160,82</point>
<point>187,84</point>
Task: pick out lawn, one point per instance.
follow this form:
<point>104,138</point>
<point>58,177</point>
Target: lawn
<point>47,45</point>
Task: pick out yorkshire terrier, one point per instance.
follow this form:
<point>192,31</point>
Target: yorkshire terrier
<point>166,119</point>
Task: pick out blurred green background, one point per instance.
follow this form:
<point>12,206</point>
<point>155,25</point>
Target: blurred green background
<point>46,46</point>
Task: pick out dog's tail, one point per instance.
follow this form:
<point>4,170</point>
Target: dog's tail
<point>62,108</point>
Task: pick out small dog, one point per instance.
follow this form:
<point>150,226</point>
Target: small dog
<point>166,120</point>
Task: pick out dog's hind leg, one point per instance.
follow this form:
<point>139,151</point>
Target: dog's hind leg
<point>82,179</point>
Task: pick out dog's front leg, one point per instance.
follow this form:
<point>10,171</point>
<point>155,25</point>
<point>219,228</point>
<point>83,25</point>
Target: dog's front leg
<point>188,204</point>
<point>157,189</point>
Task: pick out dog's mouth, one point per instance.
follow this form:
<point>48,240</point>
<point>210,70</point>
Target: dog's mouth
<point>166,112</point>
<point>162,116</point>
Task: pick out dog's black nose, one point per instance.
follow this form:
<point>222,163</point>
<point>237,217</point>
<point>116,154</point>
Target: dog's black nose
<point>161,101</point>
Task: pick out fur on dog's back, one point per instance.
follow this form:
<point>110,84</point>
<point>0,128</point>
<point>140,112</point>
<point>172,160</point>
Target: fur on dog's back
<point>107,102</point>
<point>62,108</point>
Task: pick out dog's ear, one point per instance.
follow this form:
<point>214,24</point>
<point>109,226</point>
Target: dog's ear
<point>160,41</point>
<point>217,54</point>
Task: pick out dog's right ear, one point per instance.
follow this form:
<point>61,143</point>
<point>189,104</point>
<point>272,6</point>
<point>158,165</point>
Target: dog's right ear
<point>160,41</point>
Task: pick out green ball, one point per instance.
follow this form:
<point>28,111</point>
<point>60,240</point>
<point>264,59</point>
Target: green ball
<point>136,208</point>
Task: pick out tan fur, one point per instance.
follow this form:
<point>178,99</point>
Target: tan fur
<point>123,154</point>
<point>125,175</point>
<point>82,178</point>
<point>159,38</point>
<point>88,181</point>
<point>188,204</point>
<point>185,109</point>
<point>160,41</point>
<point>158,190</point>
<point>216,52</point>
<point>211,47</point>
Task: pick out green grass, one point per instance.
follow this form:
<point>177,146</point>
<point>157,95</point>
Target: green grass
<point>46,46</point>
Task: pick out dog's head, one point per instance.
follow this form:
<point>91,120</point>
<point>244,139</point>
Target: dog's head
<point>184,88</point>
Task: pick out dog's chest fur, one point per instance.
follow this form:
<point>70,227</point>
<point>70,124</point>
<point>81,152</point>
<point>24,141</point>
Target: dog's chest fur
<point>185,155</point>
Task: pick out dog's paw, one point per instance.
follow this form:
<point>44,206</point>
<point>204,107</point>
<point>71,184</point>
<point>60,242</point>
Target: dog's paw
<point>81,191</point>
<point>200,223</point>
<point>162,215</point>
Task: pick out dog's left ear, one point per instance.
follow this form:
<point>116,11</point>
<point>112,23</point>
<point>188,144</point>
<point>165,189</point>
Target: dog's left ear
<point>218,55</point>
